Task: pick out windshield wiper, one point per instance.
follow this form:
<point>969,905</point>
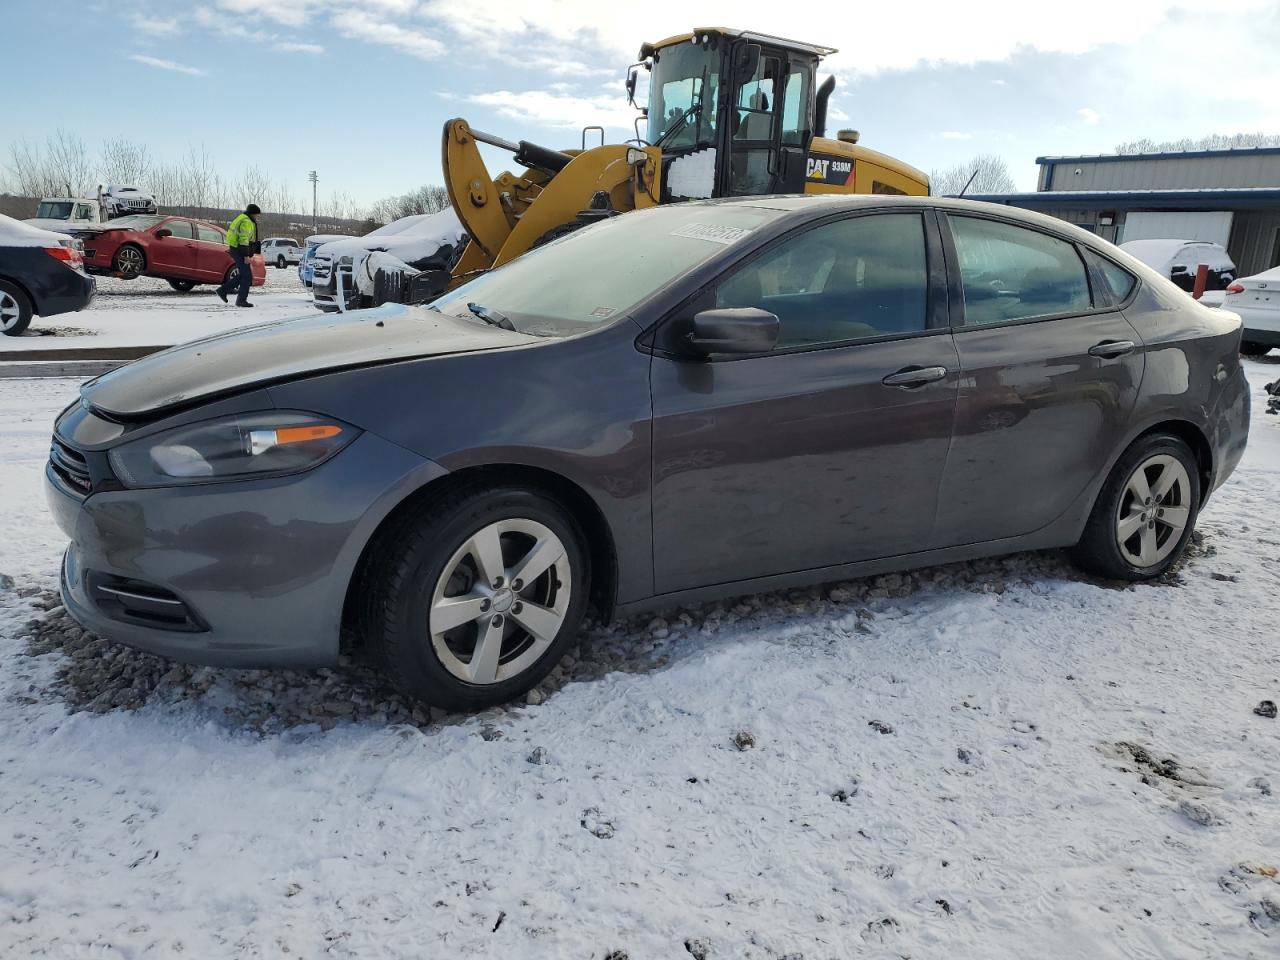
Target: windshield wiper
<point>491,316</point>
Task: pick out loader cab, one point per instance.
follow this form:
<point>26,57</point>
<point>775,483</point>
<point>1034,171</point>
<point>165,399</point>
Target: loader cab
<point>733,112</point>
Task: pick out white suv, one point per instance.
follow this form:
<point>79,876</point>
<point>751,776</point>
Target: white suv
<point>281,251</point>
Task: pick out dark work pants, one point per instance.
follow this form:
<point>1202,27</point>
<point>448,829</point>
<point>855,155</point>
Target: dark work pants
<point>244,279</point>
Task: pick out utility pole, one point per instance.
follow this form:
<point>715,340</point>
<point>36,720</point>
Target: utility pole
<point>314,180</point>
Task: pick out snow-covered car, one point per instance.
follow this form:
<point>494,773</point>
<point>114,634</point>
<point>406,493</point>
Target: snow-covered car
<point>1180,259</point>
<point>120,200</point>
<point>41,274</point>
<point>425,241</point>
<point>307,261</point>
<point>1256,300</point>
<point>281,251</point>
<point>65,214</point>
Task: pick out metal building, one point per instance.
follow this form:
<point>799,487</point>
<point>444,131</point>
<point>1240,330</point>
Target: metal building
<point>1229,196</point>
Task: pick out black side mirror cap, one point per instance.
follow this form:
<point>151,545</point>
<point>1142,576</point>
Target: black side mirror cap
<point>734,330</point>
<point>161,234</point>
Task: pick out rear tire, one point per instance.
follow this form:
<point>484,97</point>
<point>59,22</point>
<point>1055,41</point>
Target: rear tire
<point>183,286</point>
<point>129,262</point>
<point>1145,512</point>
<point>280,262</point>
<point>1250,349</point>
<point>444,609</point>
<point>15,309</point>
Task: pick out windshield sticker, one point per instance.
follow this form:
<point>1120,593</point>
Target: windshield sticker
<point>602,312</point>
<point>713,232</point>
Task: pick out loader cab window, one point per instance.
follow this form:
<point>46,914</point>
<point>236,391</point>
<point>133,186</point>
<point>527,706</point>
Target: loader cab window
<point>755,120</point>
<point>682,96</point>
<point>795,112</point>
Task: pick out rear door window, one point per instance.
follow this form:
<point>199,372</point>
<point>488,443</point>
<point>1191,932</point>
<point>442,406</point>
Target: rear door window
<point>210,234</point>
<point>1013,273</point>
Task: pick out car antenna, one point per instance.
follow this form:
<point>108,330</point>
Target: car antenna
<point>968,182</point>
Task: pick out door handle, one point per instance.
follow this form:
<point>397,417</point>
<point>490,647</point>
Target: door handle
<point>1110,349</point>
<point>914,376</point>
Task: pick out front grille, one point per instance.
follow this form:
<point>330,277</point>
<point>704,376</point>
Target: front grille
<point>70,467</point>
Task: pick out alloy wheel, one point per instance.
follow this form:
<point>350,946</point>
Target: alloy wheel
<point>1154,510</point>
<point>500,601</point>
<point>129,261</point>
<point>9,311</point>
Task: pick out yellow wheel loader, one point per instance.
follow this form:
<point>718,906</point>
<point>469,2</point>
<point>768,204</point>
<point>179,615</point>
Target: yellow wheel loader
<point>730,113</point>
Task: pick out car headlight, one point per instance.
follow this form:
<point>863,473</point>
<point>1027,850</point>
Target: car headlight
<point>239,447</point>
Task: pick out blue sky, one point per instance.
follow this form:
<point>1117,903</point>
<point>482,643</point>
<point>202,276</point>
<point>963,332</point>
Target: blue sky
<point>359,89</point>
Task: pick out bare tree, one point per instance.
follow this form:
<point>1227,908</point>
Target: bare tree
<point>69,163</point>
<point>124,161</point>
<point>280,198</point>
<point>254,186</point>
<point>430,198</point>
<point>989,173</point>
<point>1214,141</point>
<point>165,182</point>
<point>61,165</point>
<point>198,178</point>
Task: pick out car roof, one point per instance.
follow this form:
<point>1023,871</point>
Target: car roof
<point>822,204</point>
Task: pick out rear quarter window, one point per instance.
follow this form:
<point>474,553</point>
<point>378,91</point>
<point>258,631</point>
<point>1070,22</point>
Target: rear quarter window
<point>1118,282</point>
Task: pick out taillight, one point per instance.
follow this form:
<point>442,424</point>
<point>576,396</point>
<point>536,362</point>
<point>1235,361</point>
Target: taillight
<point>68,255</point>
<point>1236,288</point>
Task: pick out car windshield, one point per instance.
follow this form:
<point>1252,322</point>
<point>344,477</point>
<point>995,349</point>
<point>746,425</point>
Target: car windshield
<point>136,222</point>
<point>592,277</point>
<point>682,95</point>
<point>54,209</point>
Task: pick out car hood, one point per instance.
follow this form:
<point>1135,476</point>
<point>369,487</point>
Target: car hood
<point>269,353</point>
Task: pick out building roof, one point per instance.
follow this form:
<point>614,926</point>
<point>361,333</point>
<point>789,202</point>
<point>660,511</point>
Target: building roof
<point>1212,198</point>
<point>1162,155</point>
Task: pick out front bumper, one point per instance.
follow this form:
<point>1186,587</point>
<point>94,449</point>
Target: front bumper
<point>259,568</point>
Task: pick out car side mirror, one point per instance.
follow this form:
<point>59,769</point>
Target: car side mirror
<point>734,330</point>
<point>161,234</point>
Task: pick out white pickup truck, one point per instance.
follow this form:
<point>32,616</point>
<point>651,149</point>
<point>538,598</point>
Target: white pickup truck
<point>64,214</point>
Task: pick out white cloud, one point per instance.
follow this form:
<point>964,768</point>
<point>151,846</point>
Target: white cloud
<point>956,135</point>
<point>366,25</point>
<point>554,109</point>
<point>155,26</point>
<point>1089,115</point>
<point>166,64</point>
<point>998,83</point>
<point>293,46</point>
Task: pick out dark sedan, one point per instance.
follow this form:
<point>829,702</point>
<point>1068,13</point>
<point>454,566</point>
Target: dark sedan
<point>693,401</point>
<point>41,274</point>
<point>185,252</point>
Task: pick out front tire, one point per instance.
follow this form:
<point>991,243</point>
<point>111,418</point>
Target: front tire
<point>472,598</point>
<point>129,262</point>
<point>183,286</point>
<point>1145,512</point>
<point>15,309</point>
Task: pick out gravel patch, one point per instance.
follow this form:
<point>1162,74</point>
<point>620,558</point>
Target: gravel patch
<point>96,675</point>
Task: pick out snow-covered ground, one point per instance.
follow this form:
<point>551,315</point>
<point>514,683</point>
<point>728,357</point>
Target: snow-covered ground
<point>148,312</point>
<point>1022,764</point>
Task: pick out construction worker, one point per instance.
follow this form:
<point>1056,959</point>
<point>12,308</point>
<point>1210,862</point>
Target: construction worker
<point>242,243</point>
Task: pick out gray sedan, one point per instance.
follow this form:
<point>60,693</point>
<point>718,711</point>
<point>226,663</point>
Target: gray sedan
<point>689,402</point>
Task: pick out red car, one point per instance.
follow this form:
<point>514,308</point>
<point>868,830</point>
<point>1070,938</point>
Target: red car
<point>183,251</point>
